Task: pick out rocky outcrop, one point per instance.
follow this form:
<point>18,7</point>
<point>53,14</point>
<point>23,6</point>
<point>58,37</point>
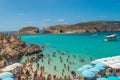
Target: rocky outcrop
<point>28,30</point>
<point>93,26</point>
<point>12,48</point>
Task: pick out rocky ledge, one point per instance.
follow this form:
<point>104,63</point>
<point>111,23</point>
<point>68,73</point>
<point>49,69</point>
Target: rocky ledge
<point>85,27</point>
<point>28,30</point>
<point>13,48</point>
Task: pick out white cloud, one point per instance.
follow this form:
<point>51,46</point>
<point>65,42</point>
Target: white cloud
<point>60,20</point>
<point>20,14</point>
<point>47,19</point>
<point>78,16</point>
<point>102,16</point>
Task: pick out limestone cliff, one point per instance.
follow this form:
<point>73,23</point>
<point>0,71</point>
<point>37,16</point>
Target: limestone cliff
<point>84,27</point>
<point>28,30</point>
<point>12,48</point>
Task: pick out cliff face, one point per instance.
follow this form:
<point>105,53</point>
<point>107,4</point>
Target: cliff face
<point>12,48</point>
<point>28,30</point>
<point>94,26</point>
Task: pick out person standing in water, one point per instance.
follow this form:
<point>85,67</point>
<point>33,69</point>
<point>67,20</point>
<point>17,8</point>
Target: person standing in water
<point>55,68</point>
<point>68,68</point>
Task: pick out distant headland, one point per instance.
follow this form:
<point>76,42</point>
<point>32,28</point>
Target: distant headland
<point>84,27</point>
<point>28,30</point>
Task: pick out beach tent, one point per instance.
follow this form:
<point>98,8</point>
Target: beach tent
<point>6,75</point>
<point>88,74</point>
<point>102,78</point>
<point>113,78</point>
<point>8,79</point>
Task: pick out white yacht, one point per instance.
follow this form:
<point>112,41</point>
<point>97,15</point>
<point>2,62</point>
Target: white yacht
<point>112,37</point>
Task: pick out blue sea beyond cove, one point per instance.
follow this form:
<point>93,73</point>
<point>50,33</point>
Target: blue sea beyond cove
<point>91,44</point>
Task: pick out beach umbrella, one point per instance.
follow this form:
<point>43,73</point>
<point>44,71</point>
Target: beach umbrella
<point>106,59</point>
<point>108,62</point>
<point>117,64</point>
<point>88,74</point>
<point>95,62</point>
<point>8,79</point>
<point>85,67</point>
<point>5,75</point>
<point>101,64</point>
<point>95,70</point>
<point>113,78</point>
<point>100,67</point>
<point>114,66</point>
<point>17,64</point>
<point>8,68</point>
<point>119,77</point>
<point>116,60</point>
<point>102,78</point>
<point>81,69</point>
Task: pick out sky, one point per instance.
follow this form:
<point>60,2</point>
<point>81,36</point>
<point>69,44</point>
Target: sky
<point>15,14</point>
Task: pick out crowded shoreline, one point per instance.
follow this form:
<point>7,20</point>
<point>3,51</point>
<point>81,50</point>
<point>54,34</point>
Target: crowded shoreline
<point>54,65</point>
<point>32,70</point>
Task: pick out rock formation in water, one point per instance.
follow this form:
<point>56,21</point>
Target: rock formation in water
<point>12,48</point>
<point>85,27</point>
<point>28,30</point>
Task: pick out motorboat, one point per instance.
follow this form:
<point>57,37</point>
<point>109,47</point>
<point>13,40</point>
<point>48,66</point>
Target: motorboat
<point>112,37</point>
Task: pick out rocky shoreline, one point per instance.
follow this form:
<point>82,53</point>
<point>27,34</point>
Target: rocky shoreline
<point>28,30</point>
<point>13,48</point>
<point>84,27</point>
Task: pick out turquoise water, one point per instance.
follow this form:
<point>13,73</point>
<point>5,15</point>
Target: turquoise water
<point>84,45</point>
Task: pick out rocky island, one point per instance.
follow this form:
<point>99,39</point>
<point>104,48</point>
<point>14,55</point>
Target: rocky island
<point>28,30</point>
<point>12,48</point>
<point>85,27</point>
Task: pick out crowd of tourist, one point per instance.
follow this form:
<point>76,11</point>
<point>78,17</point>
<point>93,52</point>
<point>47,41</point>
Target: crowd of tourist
<point>31,72</point>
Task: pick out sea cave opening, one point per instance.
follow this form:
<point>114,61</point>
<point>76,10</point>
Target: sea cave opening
<point>61,31</point>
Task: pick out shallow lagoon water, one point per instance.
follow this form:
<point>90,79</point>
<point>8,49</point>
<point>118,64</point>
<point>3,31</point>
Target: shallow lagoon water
<point>81,45</point>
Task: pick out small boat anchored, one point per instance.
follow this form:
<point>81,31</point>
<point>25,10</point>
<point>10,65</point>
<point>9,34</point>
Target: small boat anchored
<point>112,37</point>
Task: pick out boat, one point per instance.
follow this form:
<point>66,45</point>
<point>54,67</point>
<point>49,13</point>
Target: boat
<point>112,37</point>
